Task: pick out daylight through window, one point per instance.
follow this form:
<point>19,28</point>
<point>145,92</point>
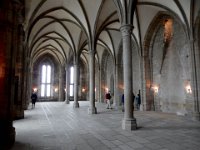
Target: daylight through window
<point>46,81</point>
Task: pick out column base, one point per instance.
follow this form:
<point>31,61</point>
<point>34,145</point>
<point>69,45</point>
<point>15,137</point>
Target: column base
<point>141,107</point>
<point>18,113</point>
<point>129,124</point>
<point>67,101</point>
<point>92,110</point>
<point>196,116</point>
<point>25,106</point>
<point>158,108</point>
<point>7,137</point>
<point>76,105</point>
<point>148,107</point>
<point>116,106</point>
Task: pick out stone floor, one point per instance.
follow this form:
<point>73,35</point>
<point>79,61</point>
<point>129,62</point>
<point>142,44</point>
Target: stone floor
<point>59,126</point>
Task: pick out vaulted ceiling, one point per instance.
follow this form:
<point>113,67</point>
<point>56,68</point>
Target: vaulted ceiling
<point>64,28</point>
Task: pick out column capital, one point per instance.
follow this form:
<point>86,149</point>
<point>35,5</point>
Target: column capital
<point>126,29</point>
<point>92,52</point>
<point>76,64</point>
<point>18,9</point>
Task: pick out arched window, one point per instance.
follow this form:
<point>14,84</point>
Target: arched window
<point>46,81</point>
<point>71,85</point>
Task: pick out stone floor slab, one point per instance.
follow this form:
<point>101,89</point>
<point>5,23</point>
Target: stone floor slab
<point>59,126</point>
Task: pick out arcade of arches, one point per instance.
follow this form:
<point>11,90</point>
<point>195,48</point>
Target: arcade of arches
<point>76,50</point>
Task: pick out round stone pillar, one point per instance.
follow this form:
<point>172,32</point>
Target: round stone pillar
<point>76,104</point>
<point>128,122</point>
<point>61,88</point>
<point>92,109</point>
<point>67,88</point>
<point>117,96</point>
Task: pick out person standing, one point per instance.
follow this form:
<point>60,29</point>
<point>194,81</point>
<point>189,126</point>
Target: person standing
<point>122,100</point>
<point>133,101</point>
<point>108,100</point>
<point>33,99</point>
<point>138,101</point>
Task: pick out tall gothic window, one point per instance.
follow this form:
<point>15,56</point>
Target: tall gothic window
<point>46,81</point>
<point>71,85</point>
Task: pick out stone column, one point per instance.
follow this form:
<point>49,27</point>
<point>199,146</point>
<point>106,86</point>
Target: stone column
<point>76,75</point>
<point>92,109</point>
<point>67,87</point>
<point>195,79</point>
<point>19,111</point>
<point>100,96</point>
<point>28,86</point>
<point>17,53</point>
<point>7,71</point>
<point>61,88</point>
<point>128,122</point>
<point>80,84</point>
<point>117,97</point>
<point>143,85</point>
<point>26,74</point>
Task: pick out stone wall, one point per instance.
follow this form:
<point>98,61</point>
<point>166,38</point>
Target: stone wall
<point>107,73</point>
<point>36,78</point>
<point>136,69</point>
<point>171,71</point>
<point>83,82</point>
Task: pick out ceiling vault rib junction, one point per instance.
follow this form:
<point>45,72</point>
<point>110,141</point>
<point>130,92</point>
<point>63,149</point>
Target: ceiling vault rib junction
<point>39,53</point>
<point>51,10</point>
<point>42,36</point>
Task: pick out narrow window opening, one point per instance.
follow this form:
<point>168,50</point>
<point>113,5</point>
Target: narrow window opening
<point>46,81</point>
<point>71,86</point>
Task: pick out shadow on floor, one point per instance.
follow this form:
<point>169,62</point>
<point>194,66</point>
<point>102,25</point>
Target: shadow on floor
<point>20,146</point>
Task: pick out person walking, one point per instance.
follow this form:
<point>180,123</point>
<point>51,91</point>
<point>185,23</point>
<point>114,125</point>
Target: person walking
<point>33,99</point>
<point>108,100</point>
